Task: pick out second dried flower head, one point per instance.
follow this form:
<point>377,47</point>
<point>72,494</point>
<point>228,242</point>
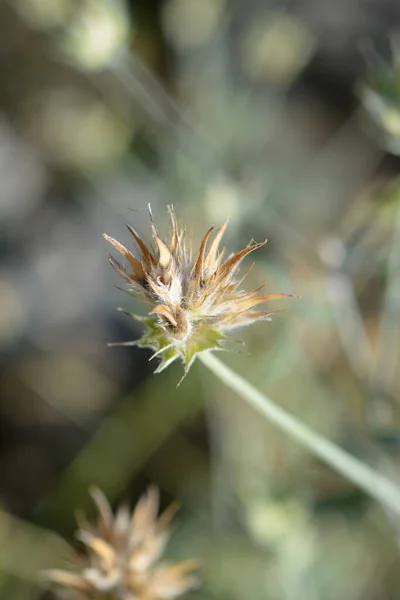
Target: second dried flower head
<point>122,559</point>
<point>193,301</point>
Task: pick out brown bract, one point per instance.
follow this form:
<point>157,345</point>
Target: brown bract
<point>192,302</point>
<point>123,555</point>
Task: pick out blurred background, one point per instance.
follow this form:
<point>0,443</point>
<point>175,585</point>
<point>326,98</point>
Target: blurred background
<point>284,115</point>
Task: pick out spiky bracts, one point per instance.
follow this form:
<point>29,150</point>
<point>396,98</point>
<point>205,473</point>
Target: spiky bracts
<point>122,560</point>
<point>193,302</point>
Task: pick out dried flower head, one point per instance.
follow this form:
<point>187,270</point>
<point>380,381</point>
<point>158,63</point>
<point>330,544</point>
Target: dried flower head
<point>123,552</point>
<point>193,302</point>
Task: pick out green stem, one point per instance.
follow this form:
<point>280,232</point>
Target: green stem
<point>370,481</point>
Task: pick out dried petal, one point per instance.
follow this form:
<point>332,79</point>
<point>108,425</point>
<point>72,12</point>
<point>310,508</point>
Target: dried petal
<point>211,262</point>
<point>147,256</point>
<point>69,580</point>
<point>170,581</point>
<point>137,268</point>
<point>166,312</point>
<point>197,272</point>
<point>165,258</point>
<point>105,521</point>
<point>100,547</point>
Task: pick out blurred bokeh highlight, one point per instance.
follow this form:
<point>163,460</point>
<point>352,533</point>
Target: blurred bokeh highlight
<point>285,116</point>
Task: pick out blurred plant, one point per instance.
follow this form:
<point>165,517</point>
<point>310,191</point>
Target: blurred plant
<point>77,130</point>
<point>375,484</point>
<point>194,303</point>
<point>93,32</point>
<point>189,24</point>
<point>97,35</point>
<point>44,14</point>
<point>380,95</point>
<point>123,552</point>
<point>276,48</point>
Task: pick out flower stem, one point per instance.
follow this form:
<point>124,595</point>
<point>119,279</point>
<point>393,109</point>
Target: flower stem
<point>370,481</point>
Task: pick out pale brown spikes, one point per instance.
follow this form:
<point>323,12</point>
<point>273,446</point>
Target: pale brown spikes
<point>225,273</point>
<point>198,268</point>
<point>165,256</point>
<point>247,303</point>
<point>165,259</point>
<point>246,318</point>
<point>246,295</point>
<point>166,517</point>
<point>135,264</point>
<point>147,256</point>
<point>230,265</point>
<point>171,580</point>
<point>69,580</point>
<point>105,513</point>
<point>240,281</point>
<point>118,268</point>
<point>210,260</point>
<point>121,524</point>
<point>145,515</point>
<point>99,546</point>
<point>174,227</point>
<point>164,311</point>
<point>153,226</point>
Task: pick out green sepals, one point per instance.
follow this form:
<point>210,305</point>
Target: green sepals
<point>167,357</point>
<point>156,339</point>
<point>203,339</point>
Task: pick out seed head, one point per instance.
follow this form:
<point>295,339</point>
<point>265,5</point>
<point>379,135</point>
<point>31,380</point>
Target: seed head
<point>193,302</point>
<point>123,553</point>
